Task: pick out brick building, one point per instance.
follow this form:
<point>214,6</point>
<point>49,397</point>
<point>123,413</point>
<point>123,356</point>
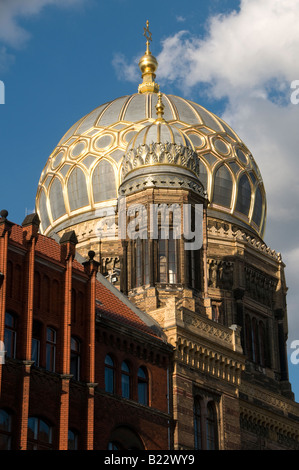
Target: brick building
<point>83,368</point>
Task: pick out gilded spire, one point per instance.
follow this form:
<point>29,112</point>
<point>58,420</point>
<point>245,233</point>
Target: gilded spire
<point>160,108</point>
<point>148,65</point>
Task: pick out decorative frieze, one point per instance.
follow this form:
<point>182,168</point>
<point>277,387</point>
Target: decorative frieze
<point>259,286</point>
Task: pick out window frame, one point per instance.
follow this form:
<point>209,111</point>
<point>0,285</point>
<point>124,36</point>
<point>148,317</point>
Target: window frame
<point>10,335</point>
<point>50,347</point>
<point>7,433</point>
<point>36,442</point>
<point>75,358</point>
<point>126,374</point>
<point>143,381</point>
<point>110,371</point>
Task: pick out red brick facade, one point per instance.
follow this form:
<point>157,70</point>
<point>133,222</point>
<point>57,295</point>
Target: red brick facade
<point>60,319</point>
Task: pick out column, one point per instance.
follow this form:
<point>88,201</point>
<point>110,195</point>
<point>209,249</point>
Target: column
<point>91,268</point>
<point>30,235</point>
<point>68,250</point>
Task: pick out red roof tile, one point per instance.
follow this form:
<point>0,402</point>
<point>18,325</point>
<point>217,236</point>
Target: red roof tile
<point>112,307</point>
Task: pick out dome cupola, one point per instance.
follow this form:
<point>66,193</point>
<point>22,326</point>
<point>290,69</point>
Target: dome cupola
<point>160,155</point>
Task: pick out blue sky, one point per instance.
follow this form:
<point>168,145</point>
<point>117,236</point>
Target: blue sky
<point>61,59</point>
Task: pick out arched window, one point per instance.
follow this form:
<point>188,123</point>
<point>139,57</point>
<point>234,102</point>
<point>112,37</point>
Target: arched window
<point>50,349</point>
<point>211,427</point>
<point>138,262</point>
<point>125,381</point>
<point>167,258</point>
<point>248,336</point>
<point>39,434</point>
<point>109,374</point>
<point>56,199</point>
<point>205,424</point>
<point>103,182</point>
<point>262,343</point>
<point>244,195</point>
<point>124,438</point>
<point>75,358</point>
<point>36,341</point>
<point>258,207</point>
<point>77,189</point>
<point>223,186</point>
<point>72,440</point>
<point>197,424</point>
<point>255,341</point>
<point>10,334</point>
<point>142,386</point>
<point>5,430</point>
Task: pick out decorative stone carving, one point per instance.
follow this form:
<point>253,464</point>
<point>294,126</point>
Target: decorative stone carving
<point>220,274</point>
<point>259,286</point>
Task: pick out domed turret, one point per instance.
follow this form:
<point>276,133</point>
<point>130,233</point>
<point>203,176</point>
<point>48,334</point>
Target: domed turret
<point>160,155</point>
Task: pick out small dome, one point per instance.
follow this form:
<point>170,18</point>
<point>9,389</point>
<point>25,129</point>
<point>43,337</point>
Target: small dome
<point>160,152</point>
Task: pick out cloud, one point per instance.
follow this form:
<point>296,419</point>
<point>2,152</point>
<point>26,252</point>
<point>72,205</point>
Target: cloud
<point>12,34</point>
<point>245,49</point>
<point>248,59</point>
<point>125,70</point>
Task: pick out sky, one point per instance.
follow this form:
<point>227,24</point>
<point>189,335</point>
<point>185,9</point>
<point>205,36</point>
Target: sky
<point>60,59</point>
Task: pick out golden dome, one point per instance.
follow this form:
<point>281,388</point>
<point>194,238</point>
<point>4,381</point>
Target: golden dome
<point>85,170</point>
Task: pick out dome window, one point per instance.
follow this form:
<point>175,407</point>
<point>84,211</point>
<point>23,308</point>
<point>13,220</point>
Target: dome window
<point>244,196</point>
<point>56,199</point>
<point>103,182</point>
<point>43,211</point>
<point>223,186</point>
<point>258,207</point>
<point>77,190</point>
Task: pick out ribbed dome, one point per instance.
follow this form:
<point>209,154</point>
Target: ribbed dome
<point>159,149</point>
<point>83,172</point>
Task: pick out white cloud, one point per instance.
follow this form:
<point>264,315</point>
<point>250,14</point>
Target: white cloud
<point>124,69</point>
<point>12,34</point>
<point>247,49</point>
<point>250,58</point>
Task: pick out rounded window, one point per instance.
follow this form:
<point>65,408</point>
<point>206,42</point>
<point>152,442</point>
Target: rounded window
<point>244,196</point>
<point>223,186</point>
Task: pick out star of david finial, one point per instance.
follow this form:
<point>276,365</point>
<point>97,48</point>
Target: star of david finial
<point>147,32</point>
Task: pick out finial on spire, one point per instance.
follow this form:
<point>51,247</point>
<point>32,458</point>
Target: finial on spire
<point>148,36</point>
<point>160,107</point>
<point>148,65</point>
